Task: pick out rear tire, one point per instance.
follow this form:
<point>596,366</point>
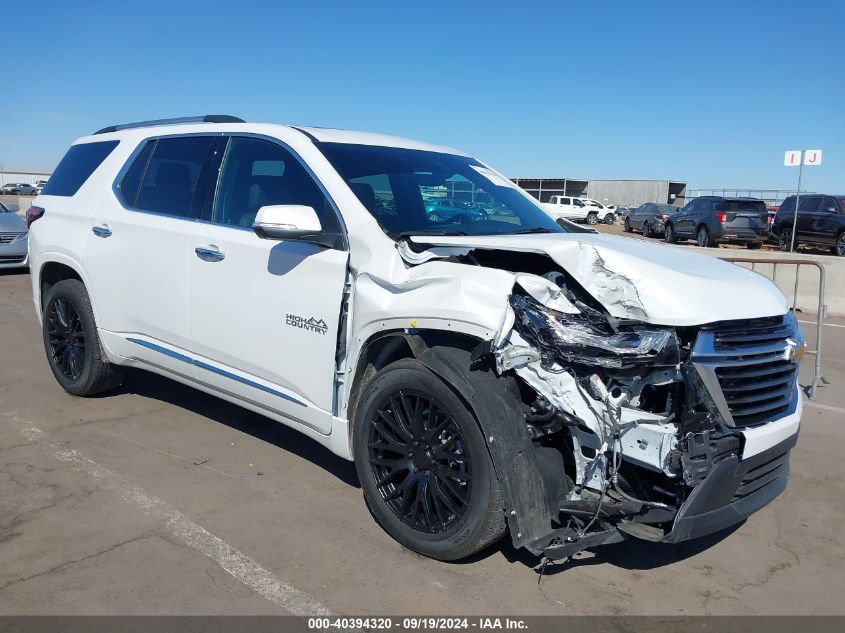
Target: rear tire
<point>627,226</point>
<point>702,236</point>
<point>434,492</point>
<point>592,219</point>
<point>72,343</point>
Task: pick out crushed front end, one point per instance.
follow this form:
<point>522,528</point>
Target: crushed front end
<point>663,433</point>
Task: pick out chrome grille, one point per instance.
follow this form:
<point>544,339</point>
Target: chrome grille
<point>8,238</point>
<point>748,367</point>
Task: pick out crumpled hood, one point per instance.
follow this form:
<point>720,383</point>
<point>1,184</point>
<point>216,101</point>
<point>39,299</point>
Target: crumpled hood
<point>635,279</point>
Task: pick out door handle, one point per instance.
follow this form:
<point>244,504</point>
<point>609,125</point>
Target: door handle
<point>101,231</point>
<point>209,253</point>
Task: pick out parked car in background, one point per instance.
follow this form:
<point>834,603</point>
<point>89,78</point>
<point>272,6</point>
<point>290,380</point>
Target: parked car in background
<point>448,210</point>
<point>712,220</point>
<point>606,212</point>
<point>649,218</point>
<point>13,239</point>
<point>573,209</point>
<point>821,222</point>
<point>39,186</point>
<point>17,189</point>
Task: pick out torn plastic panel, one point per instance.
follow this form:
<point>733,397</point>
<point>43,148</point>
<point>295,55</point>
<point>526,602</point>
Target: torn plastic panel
<point>587,340</point>
<point>619,430</point>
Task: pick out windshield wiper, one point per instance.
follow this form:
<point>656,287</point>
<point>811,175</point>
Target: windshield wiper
<point>407,234</point>
<point>536,229</point>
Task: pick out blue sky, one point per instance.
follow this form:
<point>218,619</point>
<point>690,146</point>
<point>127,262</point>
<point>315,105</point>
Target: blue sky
<point>711,93</point>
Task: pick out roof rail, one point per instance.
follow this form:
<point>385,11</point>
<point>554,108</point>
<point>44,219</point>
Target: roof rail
<point>208,118</point>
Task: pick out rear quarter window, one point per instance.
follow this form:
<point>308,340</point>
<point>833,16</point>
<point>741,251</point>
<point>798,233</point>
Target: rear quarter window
<point>77,166</point>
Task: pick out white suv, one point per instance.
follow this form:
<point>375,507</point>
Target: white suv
<point>486,372</point>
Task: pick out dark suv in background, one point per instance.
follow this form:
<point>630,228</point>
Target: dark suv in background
<point>821,221</point>
<point>711,220</point>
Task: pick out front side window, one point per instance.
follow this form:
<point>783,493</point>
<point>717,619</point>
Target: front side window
<point>168,171</point>
<point>435,194</point>
<point>829,205</point>
<point>258,173</point>
<point>76,167</point>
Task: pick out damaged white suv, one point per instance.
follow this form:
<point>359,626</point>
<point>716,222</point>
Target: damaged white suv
<point>487,370</point>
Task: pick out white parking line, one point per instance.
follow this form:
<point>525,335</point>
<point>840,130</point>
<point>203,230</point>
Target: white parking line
<point>826,324</point>
<point>235,563</point>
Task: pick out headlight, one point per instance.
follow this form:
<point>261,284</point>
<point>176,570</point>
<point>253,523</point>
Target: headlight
<point>590,340</point>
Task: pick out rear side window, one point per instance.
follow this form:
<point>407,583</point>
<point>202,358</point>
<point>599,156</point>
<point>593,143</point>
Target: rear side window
<point>76,167</point>
<point>170,179</point>
<point>131,183</point>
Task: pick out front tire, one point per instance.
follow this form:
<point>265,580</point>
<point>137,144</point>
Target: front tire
<point>785,240</point>
<point>839,249</point>
<point>646,230</point>
<point>72,344</point>
<point>627,226</point>
<point>424,467</point>
<point>609,218</point>
<point>669,234</point>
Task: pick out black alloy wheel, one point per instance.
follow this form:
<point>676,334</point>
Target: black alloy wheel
<point>840,245</point>
<point>419,461</point>
<point>66,339</point>
<point>785,240</point>
<point>73,348</point>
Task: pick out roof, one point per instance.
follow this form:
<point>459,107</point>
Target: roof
<point>224,123</point>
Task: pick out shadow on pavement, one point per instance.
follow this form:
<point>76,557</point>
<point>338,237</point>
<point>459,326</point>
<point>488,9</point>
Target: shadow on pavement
<point>155,387</point>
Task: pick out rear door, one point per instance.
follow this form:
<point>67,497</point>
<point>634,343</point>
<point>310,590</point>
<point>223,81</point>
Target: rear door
<point>808,216</point>
<point>823,225</point>
<point>265,314</point>
<point>137,253</point>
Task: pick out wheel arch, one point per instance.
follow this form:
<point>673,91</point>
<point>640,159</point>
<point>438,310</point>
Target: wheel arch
<point>461,361</point>
<point>52,271</point>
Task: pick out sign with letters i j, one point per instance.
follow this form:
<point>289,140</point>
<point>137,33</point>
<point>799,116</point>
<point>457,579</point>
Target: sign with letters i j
<point>793,157</point>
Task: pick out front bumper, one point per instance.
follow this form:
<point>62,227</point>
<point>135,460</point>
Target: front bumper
<point>14,255</point>
<point>734,490</point>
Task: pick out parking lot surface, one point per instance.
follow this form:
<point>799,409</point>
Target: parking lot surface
<point>159,499</point>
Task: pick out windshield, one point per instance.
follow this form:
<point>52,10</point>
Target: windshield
<point>414,192</point>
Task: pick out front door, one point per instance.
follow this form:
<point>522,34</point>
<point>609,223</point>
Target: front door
<point>264,314</point>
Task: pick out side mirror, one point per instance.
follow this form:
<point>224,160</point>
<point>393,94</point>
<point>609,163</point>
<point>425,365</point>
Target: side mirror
<point>291,222</point>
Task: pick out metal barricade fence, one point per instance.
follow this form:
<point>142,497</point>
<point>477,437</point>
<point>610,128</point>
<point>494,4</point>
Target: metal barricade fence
<point>820,312</point>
